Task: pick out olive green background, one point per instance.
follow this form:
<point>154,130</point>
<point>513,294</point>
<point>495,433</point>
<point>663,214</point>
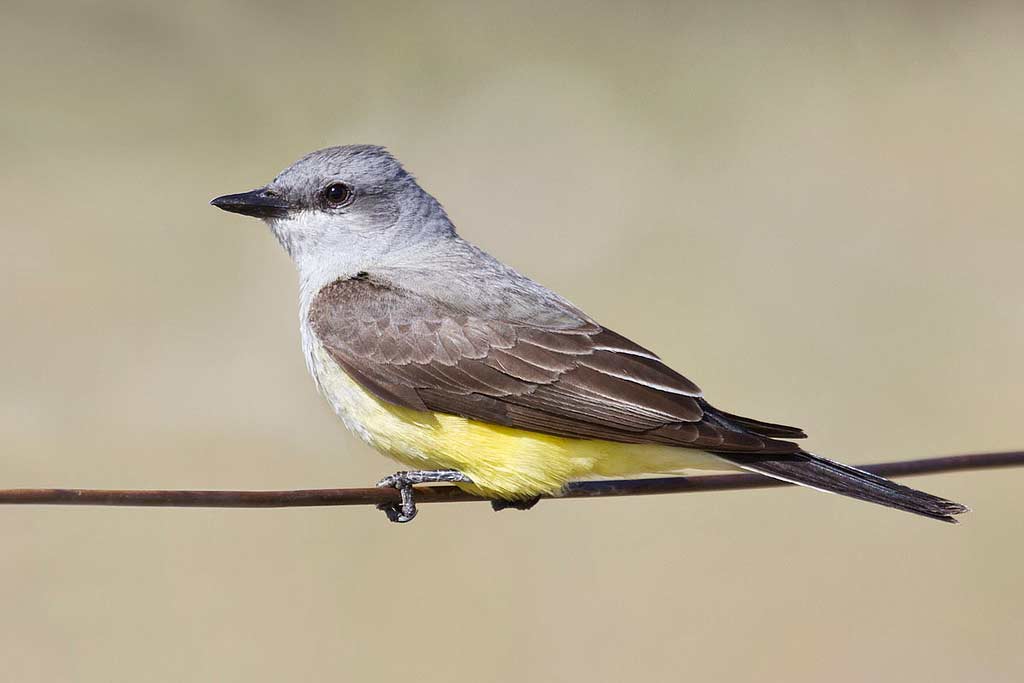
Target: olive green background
<point>813,211</point>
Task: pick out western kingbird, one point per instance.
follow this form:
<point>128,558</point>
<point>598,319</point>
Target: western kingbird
<point>452,363</point>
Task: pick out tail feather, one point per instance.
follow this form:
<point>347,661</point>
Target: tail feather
<point>819,473</point>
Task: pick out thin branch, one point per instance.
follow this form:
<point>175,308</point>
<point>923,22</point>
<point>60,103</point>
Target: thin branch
<point>451,494</point>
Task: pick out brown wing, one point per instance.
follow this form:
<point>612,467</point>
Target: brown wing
<point>580,381</point>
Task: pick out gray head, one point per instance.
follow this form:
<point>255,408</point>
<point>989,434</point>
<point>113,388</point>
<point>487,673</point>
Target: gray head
<point>345,208</point>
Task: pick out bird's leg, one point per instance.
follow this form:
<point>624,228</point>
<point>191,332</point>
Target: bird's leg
<point>525,504</point>
<point>404,481</point>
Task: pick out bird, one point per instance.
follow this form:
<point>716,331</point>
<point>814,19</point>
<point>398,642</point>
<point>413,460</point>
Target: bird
<point>460,368</point>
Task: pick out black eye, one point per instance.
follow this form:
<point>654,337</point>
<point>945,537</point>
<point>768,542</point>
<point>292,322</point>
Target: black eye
<point>337,194</point>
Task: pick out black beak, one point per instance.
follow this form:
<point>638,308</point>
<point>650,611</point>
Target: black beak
<point>261,203</point>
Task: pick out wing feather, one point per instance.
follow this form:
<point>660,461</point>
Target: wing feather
<point>574,379</point>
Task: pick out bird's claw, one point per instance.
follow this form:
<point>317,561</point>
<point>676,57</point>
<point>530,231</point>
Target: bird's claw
<point>401,512</point>
<point>405,511</point>
<point>525,504</point>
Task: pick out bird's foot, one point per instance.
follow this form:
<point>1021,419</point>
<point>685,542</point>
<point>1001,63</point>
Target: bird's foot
<point>523,504</point>
<point>404,481</point>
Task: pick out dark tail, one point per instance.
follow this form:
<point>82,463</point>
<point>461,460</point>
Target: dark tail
<point>809,470</point>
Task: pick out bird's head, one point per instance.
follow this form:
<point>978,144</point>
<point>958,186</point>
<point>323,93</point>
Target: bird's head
<point>344,208</point>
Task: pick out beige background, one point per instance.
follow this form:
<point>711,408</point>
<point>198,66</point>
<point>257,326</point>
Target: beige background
<point>813,212</point>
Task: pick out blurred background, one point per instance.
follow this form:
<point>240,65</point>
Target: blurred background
<point>844,185</point>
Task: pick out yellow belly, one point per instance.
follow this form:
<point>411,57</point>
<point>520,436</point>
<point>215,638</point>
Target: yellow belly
<point>503,462</point>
